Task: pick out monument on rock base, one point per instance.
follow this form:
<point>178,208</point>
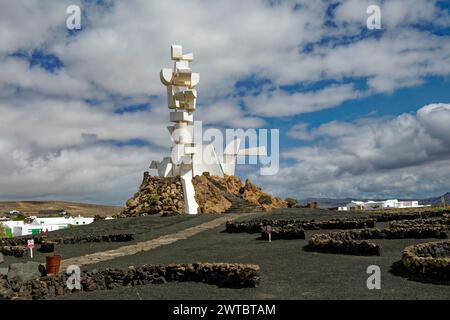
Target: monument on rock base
<point>189,159</point>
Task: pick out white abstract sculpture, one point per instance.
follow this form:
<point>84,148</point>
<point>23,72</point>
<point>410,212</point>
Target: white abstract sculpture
<point>189,160</point>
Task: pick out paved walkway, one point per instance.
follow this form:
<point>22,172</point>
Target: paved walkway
<point>150,244</point>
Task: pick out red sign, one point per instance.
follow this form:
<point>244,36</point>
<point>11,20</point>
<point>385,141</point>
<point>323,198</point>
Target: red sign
<point>269,229</point>
<point>30,244</point>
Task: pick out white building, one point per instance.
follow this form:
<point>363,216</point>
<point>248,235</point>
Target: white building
<point>376,205</point>
<point>43,225</point>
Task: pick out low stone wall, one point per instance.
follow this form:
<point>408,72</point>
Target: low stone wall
<point>121,237</point>
<point>391,216</point>
<point>224,275</point>
<point>350,223</point>
<point>284,232</point>
<point>418,232</point>
<point>258,225</point>
<point>430,260</point>
<point>354,241</point>
<point>327,244</point>
<point>445,222</point>
<point>221,274</point>
<point>15,251</point>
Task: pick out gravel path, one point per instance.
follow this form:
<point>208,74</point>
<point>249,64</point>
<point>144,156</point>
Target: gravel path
<point>150,244</point>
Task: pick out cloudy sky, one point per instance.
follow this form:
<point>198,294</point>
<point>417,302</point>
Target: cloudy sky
<point>361,113</point>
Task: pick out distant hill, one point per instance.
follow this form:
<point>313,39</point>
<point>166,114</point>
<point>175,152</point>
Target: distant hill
<point>83,209</point>
<point>436,200</point>
<point>325,203</point>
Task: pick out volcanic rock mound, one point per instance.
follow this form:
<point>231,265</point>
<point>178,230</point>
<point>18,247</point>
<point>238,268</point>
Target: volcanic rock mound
<point>158,195</point>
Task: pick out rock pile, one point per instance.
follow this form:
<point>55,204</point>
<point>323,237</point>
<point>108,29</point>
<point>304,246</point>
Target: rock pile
<point>211,193</point>
<point>220,274</point>
<point>159,195</point>
<point>208,195</point>
<point>430,260</point>
<point>156,195</point>
<point>254,194</point>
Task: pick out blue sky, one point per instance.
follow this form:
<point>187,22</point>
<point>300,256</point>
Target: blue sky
<point>361,113</point>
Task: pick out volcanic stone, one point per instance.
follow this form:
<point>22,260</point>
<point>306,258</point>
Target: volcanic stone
<point>23,272</point>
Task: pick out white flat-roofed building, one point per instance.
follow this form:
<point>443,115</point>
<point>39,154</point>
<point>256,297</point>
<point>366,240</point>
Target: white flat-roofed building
<point>376,205</point>
<point>43,225</point>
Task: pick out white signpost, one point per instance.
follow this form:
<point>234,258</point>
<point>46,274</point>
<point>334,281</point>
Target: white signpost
<point>269,232</point>
<point>31,246</point>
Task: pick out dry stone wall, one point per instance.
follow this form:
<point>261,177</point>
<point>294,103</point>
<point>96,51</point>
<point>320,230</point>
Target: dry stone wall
<point>17,246</point>
<point>392,216</point>
<point>445,222</point>
<point>258,225</point>
<point>430,260</point>
<point>288,232</point>
<point>354,242</point>
<point>224,275</point>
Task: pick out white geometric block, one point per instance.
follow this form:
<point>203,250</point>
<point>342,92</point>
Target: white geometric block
<point>195,79</point>
<point>177,116</point>
<point>190,204</point>
<point>183,133</point>
<point>182,79</point>
<point>177,153</point>
<point>182,67</point>
<point>188,56</point>
<point>165,170</point>
<point>206,160</point>
<point>166,76</point>
<point>176,52</point>
<point>190,149</point>
<point>172,102</point>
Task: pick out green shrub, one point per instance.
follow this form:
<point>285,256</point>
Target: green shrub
<point>151,199</point>
<point>20,217</point>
